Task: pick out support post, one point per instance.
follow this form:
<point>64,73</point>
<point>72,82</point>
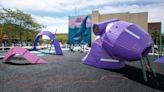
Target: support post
<point>3,47</point>
<point>143,69</point>
<point>151,66</point>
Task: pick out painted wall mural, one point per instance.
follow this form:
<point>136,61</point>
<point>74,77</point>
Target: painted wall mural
<point>74,26</point>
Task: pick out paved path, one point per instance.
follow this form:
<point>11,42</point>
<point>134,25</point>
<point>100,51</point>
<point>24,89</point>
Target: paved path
<point>68,74</point>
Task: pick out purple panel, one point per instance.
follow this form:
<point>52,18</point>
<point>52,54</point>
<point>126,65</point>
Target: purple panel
<point>160,60</point>
<point>99,58</point>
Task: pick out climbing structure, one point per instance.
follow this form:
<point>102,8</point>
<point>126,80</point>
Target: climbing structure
<point>117,42</point>
<point>23,53</point>
<point>54,41</point>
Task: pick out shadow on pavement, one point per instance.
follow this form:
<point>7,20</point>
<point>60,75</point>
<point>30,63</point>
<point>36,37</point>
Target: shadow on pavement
<point>12,63</point>
<point>135,74</point>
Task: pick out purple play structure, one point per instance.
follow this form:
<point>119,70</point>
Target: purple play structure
<point>54,41</point>
<point>117,42</point>
<point>23,53</point>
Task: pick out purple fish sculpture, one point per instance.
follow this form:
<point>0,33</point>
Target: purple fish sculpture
<point>117,42</point>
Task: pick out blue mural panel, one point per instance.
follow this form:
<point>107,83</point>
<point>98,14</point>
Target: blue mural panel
<point>74,26</point>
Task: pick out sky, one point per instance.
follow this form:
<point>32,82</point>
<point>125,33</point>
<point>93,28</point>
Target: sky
<point>54,13</point>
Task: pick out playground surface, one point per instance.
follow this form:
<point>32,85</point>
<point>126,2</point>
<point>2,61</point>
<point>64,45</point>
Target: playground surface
<point>68,74</point>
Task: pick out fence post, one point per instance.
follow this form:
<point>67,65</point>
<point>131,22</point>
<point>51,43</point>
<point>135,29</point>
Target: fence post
<point>12,45</point>
<point>3,47</point>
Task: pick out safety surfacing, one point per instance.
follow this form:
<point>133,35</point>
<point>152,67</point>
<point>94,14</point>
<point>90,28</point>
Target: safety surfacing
<point>68,74</point>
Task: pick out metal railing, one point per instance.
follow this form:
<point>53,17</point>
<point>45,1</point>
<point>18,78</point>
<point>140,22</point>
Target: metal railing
<point>4,48</point>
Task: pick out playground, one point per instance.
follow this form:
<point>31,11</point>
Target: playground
<point>57,75</point>
<point>60,69</point>
<point>108,55</point>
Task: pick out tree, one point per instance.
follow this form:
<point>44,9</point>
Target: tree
<point>18,23</point>
<point>62,38</point>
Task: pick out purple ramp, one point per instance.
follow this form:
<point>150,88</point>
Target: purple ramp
<point>54,41</point>
<point>23,53</point>
<point>160,60</point>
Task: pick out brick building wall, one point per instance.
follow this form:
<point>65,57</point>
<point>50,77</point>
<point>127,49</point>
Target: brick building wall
<point>154,27</point>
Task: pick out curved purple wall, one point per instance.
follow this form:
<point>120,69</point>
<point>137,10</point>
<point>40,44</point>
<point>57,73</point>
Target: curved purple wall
<point>55,42</point>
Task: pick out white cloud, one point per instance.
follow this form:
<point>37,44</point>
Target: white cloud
<point>55,5</point>
<point>60,29</point>
<point>156,12</point>
<point>52,24</point>
<point>50,20</point>
<point>33,5</point>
